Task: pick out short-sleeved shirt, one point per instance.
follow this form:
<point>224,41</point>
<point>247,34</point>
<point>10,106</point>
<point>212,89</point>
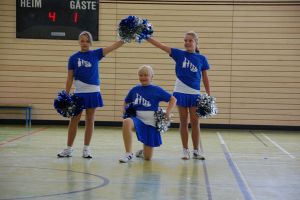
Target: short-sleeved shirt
<point>147,98</point>
<point>189,67</point>
<point>86,66</point>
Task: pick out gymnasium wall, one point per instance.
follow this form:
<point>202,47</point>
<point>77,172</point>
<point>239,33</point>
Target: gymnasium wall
<point>253,47</point>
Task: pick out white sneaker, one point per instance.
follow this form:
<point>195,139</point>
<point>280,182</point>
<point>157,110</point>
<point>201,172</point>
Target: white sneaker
<point>139,154</point>
<point>65,153</point>
<point>86,153</point>
<point>127,157</point>
<point>186,154</point>
<point>197,155</point>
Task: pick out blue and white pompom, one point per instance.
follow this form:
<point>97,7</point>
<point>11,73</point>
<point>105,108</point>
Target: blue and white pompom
<point>206,106</point>
<point>77,105</point>
<point>68,105</point>
<point>134,28</point>
<point>129,111</point>
<point>161,121</point>
<point>146,33</point>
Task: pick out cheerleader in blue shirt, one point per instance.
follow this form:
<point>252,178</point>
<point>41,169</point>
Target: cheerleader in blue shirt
<point>83,71</point>
<point>190,67</point>
<point>145,98</point>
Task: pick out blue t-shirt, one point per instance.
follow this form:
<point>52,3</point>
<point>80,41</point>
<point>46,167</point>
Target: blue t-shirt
<point>85,66</point>
<point>189,67</point>
<point>147,98</point>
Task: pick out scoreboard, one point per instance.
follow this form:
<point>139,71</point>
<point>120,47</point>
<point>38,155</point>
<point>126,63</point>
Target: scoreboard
<point>56,19</point>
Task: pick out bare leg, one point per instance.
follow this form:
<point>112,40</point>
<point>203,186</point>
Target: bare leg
<point>89,125</point>
<point>183,114</point>
<point>72,130</point>
<point>148,152</point>
<point>195,127</point>
<point>128,125</point>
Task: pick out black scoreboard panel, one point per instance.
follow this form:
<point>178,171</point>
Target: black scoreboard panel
<point>56,19</point>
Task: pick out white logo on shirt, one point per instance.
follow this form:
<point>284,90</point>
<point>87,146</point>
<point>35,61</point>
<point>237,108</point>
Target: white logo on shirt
<point>83,63</point>
<point>141,101</point>
<point>188,64</point>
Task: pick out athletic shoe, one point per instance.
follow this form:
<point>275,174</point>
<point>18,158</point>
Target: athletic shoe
<point>139,154</point>
<point>86,153</point>
<point>65,153</point>
<point>127,157</point>
<point>198,155</point>
<point>186,154</point>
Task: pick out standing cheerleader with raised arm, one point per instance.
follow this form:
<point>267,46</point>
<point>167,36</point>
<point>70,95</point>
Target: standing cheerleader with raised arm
<point>83,68</point>
<point>190,67</point>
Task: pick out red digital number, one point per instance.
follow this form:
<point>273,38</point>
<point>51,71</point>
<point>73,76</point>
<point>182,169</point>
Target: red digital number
<point>52,16</point>
<point>75,17</point>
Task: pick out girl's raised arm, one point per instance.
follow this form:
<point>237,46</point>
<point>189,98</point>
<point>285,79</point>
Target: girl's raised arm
<point>114,46</point>
<point>159,45</point>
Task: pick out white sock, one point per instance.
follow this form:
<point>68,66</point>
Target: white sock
<point>85,147</point>
<point>197,151</point>
<point>128,154</point>
<point>69,147</point>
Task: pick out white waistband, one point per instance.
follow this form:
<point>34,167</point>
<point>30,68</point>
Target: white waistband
<point>183,88</point>
<point>81,87</point>
<point>146,116</point>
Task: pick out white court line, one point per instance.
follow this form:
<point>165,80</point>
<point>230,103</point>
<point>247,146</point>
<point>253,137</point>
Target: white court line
<point>222,141</point>
<point>278,146</point>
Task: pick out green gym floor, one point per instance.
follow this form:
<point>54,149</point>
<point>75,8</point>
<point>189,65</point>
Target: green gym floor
<point>240,164</point>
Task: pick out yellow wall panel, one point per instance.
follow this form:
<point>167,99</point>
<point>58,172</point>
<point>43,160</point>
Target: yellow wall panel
<point>253,51</point>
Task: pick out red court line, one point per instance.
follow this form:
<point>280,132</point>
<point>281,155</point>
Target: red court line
<point>25,135</point>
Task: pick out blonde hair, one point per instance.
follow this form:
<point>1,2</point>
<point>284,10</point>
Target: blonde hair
<point>88,35</point>
<point>146,69</point>
<point>195,37</point>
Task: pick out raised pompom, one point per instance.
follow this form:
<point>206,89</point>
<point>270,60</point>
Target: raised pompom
<point>134,28</point>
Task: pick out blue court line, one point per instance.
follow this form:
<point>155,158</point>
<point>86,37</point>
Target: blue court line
<point>237,174</point>
<point>207,184</point>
